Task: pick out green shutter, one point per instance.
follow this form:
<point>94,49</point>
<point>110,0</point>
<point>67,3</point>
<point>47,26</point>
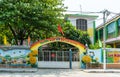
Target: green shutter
<point>98,34</point>
<point>106,34</point>
<point>116,27</point>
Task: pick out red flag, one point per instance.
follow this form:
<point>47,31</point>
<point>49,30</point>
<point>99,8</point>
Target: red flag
<point>28,40</point>
<point>60,29</point>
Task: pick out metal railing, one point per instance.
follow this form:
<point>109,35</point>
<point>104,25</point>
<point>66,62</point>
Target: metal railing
<point>57,56</point>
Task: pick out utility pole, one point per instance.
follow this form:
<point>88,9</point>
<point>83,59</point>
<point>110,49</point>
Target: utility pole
<point>80,9</point>
<point>104,36</point>
<point>105,14</point>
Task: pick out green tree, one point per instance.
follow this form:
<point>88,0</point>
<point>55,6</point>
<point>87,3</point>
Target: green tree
<point>96,46</point>
<point>4,31</point>
<point>26,17</point>
<point>72,33</point>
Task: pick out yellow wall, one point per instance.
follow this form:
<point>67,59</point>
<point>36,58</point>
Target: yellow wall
<point>90,32</point>
<point>114,45</point>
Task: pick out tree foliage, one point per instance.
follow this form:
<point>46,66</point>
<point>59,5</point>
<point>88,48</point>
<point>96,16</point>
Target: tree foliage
<point>4,32</point>
<point>29,17</point>
<point>96,46</point>
<point>72,33</point>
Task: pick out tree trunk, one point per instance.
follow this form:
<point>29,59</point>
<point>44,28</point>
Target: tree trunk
<point>16,41</point>
<point>21,36</point>
<point>21,41</point>
<point>14,34</point>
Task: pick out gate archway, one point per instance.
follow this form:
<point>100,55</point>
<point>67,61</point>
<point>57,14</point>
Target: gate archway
<point>80,46</point>
<point>36,45</point>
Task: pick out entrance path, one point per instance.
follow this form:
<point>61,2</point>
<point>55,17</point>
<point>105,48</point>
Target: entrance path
<point>58,73</point>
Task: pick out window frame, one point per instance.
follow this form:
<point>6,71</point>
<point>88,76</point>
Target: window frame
<point>81,24</point>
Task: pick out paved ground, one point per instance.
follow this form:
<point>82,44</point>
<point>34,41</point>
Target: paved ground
<point>58,73</point>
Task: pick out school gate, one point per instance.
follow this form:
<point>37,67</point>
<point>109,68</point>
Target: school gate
<point>59,59</point>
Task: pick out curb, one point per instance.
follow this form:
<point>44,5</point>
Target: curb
<point>102,71</point>
<point>20,70</point>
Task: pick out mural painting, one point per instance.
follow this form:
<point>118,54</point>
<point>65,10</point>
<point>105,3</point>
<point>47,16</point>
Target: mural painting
<point>17,57</point>
<point>113,57</point>
<point>96,55</point>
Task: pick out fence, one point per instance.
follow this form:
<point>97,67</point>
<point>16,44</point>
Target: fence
<point>57,56</point>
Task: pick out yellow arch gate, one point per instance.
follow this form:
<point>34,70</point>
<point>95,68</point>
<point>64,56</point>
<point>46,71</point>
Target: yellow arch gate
<point>80,46</point>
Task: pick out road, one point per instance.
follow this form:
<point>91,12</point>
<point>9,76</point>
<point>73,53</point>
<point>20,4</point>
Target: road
<point>58,73</point>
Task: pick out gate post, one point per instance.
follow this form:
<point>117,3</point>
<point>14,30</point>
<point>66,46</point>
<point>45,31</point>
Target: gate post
<point>70,58</point>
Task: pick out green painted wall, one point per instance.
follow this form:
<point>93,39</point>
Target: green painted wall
<point>94,32</point>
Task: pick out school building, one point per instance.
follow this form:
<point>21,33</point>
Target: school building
<point>83,22</point>
<point>112,32</point>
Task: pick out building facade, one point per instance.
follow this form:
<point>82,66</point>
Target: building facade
<point>112,32</point>
<point>83,22</point>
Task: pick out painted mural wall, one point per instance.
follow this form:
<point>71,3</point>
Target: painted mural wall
<point>96,55</point>
<point>113,57</point>
<point>17,57</point>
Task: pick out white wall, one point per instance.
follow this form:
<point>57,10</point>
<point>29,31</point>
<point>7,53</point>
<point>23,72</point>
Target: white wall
<point>75,65</point>
<point>56,64</point>
<point>72,21</point>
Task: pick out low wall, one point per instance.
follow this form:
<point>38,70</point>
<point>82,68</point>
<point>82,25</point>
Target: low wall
<point>113,66</point>
<point>108,66</point>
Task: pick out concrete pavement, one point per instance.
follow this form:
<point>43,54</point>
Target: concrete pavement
<point>58,73</point>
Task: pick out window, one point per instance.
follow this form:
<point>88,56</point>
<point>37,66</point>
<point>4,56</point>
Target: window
<point>111,30</point>
<point>118,27</point>
<point>96,36</point>
<point>101,34</point>
<point>81,24</point>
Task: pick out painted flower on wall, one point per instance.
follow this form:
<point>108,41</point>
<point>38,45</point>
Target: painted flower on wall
<point>33,53</point>
<point>86,59</point>
<point>30,54</point>
<point>32,60</point>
